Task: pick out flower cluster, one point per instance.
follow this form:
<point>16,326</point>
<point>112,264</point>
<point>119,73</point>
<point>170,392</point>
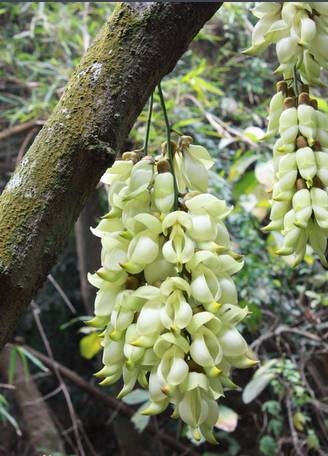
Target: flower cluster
<point>167,304</point>
<point>300,155</point>
<point>299,30</point>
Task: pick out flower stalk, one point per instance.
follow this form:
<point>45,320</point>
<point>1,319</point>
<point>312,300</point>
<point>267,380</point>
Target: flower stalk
<point>170,151</point>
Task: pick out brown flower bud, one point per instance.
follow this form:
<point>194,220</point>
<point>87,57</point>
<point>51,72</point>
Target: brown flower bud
<point>185,141</point>
<point>301,142</point>
<point>304,88</point>
<point>281,87</point>
<point>314,103</point>
<point>289,102</point>
<point>317,182</point>
<point>316,146</point>
<point>194,367</point>
<point>300,184</point>
<point>134,156</point>
<point>163,166</point>
<point>164,146</point>
<point>304,98</point>
<point>132,283</point>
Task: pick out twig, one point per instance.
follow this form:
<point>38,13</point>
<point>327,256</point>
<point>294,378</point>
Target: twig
<point>169,145</point>
<point>108,401</point>
<point>66,394</point>
<point>160,446</point>
<point>85,32</point>
<point>16,129</point>
<point>61,293</point>
<point>46,397</point>
<point>292,427</point>
<point>7,386</point>
<point>284,329</point>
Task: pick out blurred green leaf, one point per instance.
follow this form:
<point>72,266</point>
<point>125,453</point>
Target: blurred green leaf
<point>136,397</point>
<point>90,345</point>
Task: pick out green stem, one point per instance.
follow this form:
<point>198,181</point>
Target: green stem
<point>169,145</point>
<point>295,81</point>
<point>150,113</point>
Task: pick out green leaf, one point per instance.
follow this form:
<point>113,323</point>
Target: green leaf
<point>254,319</point>
<point>322,104</point>
<point>275,426</point>
<point>254,133</point>
<point>244,185</point>
<point>312,440</point>
<point>240,166</point>
<point>272,407</point>
<point>255,387</point>
<point>268,446</point>
<point>140,421</point>
<point>12,365</point>
<point>90,345</point>
<point>260,380</point>
<point>74,320</point>
<point>206,85</point>
<point>4,414</point>
<point>34,359</point>
<point>24,362</point>
<point>185,123</point>
<point>136,397</point>
<point>299,420</point>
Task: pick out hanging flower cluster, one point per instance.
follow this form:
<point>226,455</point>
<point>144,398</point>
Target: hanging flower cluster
<point>300,32</point>
<point>167,304</point>
<point>300,155</point>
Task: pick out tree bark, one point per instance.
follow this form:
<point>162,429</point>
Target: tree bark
<point>38,423</point>
<point>136,47</point>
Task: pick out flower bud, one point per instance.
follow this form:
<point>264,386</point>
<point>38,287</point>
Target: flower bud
<point>306,164</point>
<point>319,199</point>
<point>288,125</point>
<point>307,122</point>
<point>302,207</point>
<point>163,194</point>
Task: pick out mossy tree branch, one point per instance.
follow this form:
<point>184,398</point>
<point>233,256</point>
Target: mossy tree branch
<point>136,47</point>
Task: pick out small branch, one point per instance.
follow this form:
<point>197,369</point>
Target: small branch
<point>285,329</point>
<point>61,292</point>
<point>65,391</point>
<point>292,428</point>
<point>16,129</point>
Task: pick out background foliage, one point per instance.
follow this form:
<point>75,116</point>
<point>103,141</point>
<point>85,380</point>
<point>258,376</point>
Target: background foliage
<point>219,97</point>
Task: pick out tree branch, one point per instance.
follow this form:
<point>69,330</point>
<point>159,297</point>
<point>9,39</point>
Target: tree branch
<point>138,45</point>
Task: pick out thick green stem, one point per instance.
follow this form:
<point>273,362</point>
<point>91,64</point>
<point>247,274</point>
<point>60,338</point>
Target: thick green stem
<point>295,81</point>
<point>169,145</point>
<point>150,112</point>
